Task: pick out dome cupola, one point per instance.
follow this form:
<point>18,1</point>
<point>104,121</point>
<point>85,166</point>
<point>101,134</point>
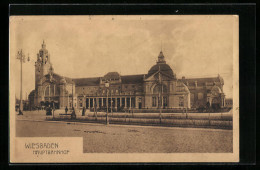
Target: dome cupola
<point>161,58</point>
<point>162,66</point>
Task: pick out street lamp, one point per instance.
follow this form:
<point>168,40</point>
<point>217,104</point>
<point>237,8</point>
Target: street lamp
<point>107,86</point>
<point>160,94</point>
<point>95,106</point>
<point>72,95</point>
<point>20,56</point>
<point>52,85</point>
<point>111,102</point>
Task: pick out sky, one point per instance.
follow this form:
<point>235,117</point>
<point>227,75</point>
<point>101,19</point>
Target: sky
<point>91,46</point>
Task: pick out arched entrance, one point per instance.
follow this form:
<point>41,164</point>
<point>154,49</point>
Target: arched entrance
<point>52,95</point>
<point>160,92</point>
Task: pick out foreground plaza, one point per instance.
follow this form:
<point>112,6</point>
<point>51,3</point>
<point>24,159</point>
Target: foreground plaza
<point>99,138</point>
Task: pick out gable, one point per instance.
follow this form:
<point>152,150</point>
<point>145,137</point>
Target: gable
<point>155,77</point>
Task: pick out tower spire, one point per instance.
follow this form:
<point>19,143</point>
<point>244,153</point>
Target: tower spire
<point>161,58</point>
<point>43,44</point>
<point>161,45</point>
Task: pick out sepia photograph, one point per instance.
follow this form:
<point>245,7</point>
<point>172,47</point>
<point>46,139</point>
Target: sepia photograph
<point>124,88</point>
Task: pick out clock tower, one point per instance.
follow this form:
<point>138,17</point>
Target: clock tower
<point>42,65</point>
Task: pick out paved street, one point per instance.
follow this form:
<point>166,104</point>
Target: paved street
<point>100,138</point>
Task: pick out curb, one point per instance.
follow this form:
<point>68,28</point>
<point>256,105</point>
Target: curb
<point>94,123</point>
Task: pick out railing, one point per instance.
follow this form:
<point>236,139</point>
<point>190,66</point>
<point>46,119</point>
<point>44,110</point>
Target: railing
<point>206,120</point>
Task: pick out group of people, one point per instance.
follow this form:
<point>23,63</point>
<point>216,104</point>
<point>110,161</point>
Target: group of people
<point>48,110</point>
<point>73,114</point>
<point>73,111</point>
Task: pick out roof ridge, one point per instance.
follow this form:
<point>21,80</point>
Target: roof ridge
<point>86,78</point>
<point>200,78</point>
<point>133,75</point>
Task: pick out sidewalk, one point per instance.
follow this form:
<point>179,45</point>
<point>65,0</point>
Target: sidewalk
<point>41,114</point>
<point>193,120</point>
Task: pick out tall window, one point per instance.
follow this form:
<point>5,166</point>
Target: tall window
<point>164,101</point>
<point>51,90</point>
<point>80,103</point>
<point>47,91</point>
<point>181,102</point>
<point>191,99</point>
<point>154,102</point>
<point>200,96</point>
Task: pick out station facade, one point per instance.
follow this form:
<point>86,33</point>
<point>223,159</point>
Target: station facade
<point>157,88</point>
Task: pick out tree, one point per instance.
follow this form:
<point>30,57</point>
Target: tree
<point>215,107</point>
<point>208,106</point>
<point>201,108</point>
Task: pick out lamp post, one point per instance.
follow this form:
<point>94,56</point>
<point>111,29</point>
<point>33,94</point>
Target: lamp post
<point>95,106</point>
<point>111,103</point>
<point>72,104</point>
<point>107,86</point>
<point>20,56</point>
<point>160,94</point>
<point>52,85</point>
<point>84,104</point>
<point>53,106</point>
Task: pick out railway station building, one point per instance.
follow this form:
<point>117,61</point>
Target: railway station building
<point>159,87</point>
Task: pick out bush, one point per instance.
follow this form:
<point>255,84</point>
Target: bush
<point>201,109</point>
<point>215,107</point>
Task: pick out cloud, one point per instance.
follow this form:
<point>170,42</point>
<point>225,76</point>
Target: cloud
<point>81,46</point>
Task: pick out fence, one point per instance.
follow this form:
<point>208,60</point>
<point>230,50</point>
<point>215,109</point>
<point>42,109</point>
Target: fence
<point>209,120</point>
<point>163,110</point>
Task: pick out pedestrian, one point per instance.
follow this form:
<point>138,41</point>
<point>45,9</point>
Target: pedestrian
<point>66,110</point>
<point>48,110</point>
<point>83,111</point>
<point>73,114</point>
<point>20,112</point>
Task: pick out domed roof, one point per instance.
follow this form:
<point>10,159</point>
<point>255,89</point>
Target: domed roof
<point>112,75</point>
<point>162,66</point>
<point>165,68</point>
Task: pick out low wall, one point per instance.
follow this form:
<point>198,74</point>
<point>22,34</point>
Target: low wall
<point>165,110</point>
<point>208,120</point>
<point>199,116</point>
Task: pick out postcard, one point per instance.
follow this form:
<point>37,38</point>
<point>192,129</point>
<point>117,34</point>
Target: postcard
<point>124,88</point>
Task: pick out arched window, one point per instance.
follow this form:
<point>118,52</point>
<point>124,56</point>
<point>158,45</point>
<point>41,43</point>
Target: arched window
<point>47,91</point>
<point>157,89</point>
<point>51,90</point>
